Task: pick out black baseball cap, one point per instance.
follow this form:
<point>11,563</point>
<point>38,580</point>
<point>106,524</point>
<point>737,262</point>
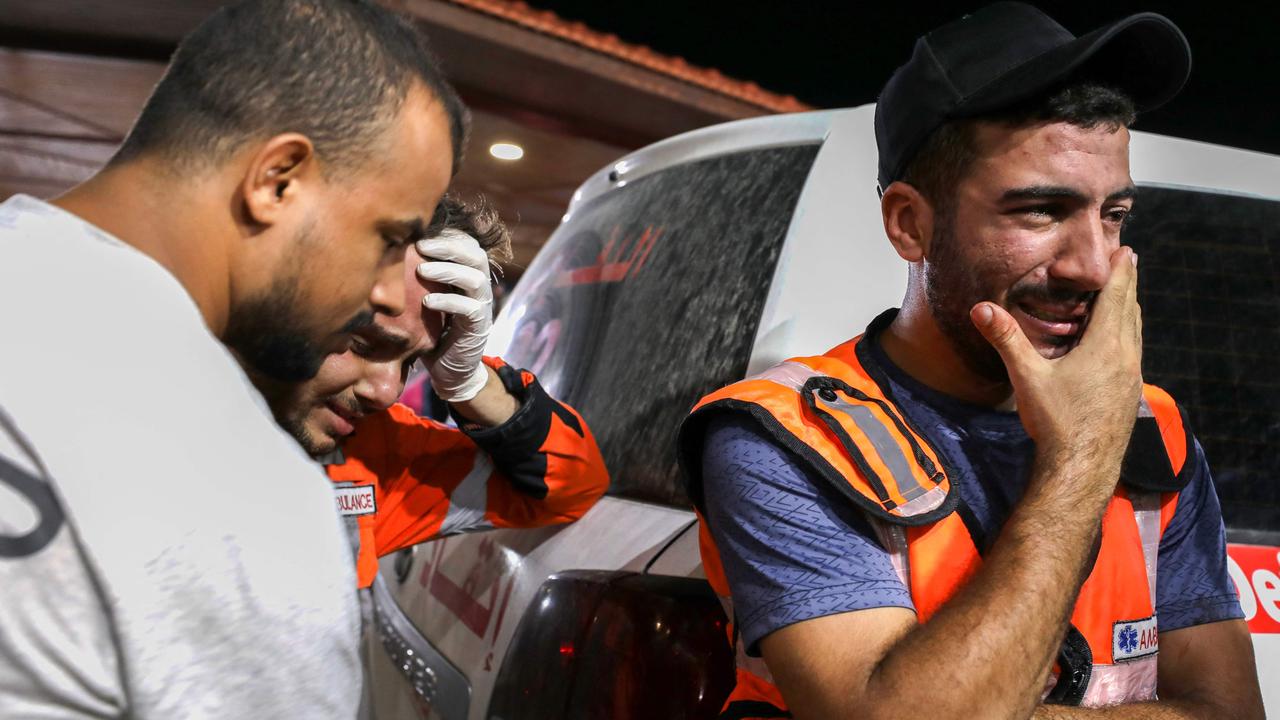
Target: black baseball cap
<point>1010,51</point>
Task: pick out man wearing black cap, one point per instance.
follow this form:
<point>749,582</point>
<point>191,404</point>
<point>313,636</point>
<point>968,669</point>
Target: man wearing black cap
<point>977,505</point>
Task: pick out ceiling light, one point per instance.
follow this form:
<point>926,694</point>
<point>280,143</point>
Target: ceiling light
<point>506,151</point>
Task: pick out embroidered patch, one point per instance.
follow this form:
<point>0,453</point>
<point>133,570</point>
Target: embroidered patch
<point>1134,639</point>
<point>355,500</point>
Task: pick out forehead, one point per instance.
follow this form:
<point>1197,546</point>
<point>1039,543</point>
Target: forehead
<point>1056,153</point>
<point>414,292</point>
<point>408,324</point>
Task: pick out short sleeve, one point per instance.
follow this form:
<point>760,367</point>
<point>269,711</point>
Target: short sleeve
<point>1192,583</point>
<point>792,549</point>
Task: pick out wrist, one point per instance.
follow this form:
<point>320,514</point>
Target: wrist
<point>492,406</point>
<point>1077,475</point>
<point>466,389</point>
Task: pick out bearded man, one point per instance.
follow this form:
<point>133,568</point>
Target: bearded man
<point>961,512</point>
<point>259,211</point>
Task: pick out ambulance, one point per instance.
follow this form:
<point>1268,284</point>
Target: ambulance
<point>713,255</point>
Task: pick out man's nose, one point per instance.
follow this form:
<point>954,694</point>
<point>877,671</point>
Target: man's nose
<point>387,295</point>
<point>1085,257</point>
<point>380,386</point>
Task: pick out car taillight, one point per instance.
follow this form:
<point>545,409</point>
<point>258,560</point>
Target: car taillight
<point>619,646</point>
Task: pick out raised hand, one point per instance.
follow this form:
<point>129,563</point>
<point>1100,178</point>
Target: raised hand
<point>455,259</point>
<point>1087,400</point>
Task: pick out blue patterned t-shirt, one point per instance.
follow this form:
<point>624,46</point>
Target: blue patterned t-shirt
<point>795,549</point>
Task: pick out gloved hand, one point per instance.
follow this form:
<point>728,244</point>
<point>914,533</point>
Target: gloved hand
<point>454,258</point>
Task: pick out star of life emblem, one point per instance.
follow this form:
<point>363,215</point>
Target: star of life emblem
<point>1134,639</point>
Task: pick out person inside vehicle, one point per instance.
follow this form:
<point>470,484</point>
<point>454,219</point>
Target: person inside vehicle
<point>976,506</point>
<point>264,198</point>
<point>518,458</point>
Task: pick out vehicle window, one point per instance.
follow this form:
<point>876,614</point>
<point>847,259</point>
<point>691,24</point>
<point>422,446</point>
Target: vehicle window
<point>649,296</point>
<point>1210,293</point>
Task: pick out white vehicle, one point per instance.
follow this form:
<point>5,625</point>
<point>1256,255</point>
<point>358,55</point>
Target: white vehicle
<point>716,254</point>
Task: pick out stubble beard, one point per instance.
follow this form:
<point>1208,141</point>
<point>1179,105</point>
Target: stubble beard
<point>953,286</point>
<point>269,332</point>
<point>314,446</point>
<point>951,290</point>
<point>290,406</point>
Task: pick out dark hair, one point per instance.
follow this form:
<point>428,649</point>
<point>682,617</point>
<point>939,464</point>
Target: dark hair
<point>477,218</point>
<point>336,71</point>
<point>944,158</point>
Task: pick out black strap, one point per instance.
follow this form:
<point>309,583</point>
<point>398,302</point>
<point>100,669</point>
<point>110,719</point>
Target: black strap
<point>1146,466</point>
<point>1075,667</point>
<point>982,541</point>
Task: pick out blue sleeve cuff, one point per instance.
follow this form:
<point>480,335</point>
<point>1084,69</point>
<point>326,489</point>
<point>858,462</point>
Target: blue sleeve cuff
<point>1199,612</point>
<point>794,607</point>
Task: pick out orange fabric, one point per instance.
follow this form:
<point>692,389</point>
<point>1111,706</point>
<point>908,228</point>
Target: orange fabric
<point>414,465</point>
<point>789,409</point>
<point>752,688</point>
<point>845,354</point>
<point>942,556</point>
<point>576,477</point>
<point>1117,587</point>
<point>1170,422</point>
<point>711,564</point>
<point>942,559</point>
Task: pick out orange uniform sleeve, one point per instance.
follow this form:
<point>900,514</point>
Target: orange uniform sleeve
<point>541,467</point>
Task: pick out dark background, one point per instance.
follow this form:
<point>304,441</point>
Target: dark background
<point>838,53</point>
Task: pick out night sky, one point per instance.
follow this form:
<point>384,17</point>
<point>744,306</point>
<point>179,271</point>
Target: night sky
<point>830,53</point>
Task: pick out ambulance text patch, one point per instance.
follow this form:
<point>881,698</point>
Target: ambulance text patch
<point>355,500</point>
<point>1133,639</point>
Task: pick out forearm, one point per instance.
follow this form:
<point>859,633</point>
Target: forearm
<point>492,406</point>
<point>550,465</point>
<point>993,645</point>
<point>573,477</point>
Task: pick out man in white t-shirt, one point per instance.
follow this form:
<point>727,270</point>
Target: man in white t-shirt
<point>165,550</point>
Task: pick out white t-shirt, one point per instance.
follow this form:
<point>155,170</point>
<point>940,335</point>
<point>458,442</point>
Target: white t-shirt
<point>200,569</point>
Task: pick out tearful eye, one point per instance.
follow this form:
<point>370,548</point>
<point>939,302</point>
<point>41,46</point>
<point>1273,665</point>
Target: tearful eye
<point>1119,216</point>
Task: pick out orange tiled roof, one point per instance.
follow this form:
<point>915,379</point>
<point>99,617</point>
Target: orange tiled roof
<point>548,23</point>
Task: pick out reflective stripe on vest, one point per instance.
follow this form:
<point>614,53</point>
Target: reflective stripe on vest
<point>833,414</point>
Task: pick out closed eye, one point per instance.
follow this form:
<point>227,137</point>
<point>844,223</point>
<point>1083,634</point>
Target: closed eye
<point>395,242</point>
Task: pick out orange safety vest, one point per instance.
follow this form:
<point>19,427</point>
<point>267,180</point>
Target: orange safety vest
<point>835,413</point>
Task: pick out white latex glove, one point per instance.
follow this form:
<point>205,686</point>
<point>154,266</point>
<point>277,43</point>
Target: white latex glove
<point>456,259</point>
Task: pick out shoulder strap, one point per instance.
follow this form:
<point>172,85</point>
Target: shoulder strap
<point>890,457</point>
<point>1156,459</point>
<point>830,414</point>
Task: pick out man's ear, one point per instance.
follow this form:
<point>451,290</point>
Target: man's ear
<point>908,220</point>
<point>276,175</point>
